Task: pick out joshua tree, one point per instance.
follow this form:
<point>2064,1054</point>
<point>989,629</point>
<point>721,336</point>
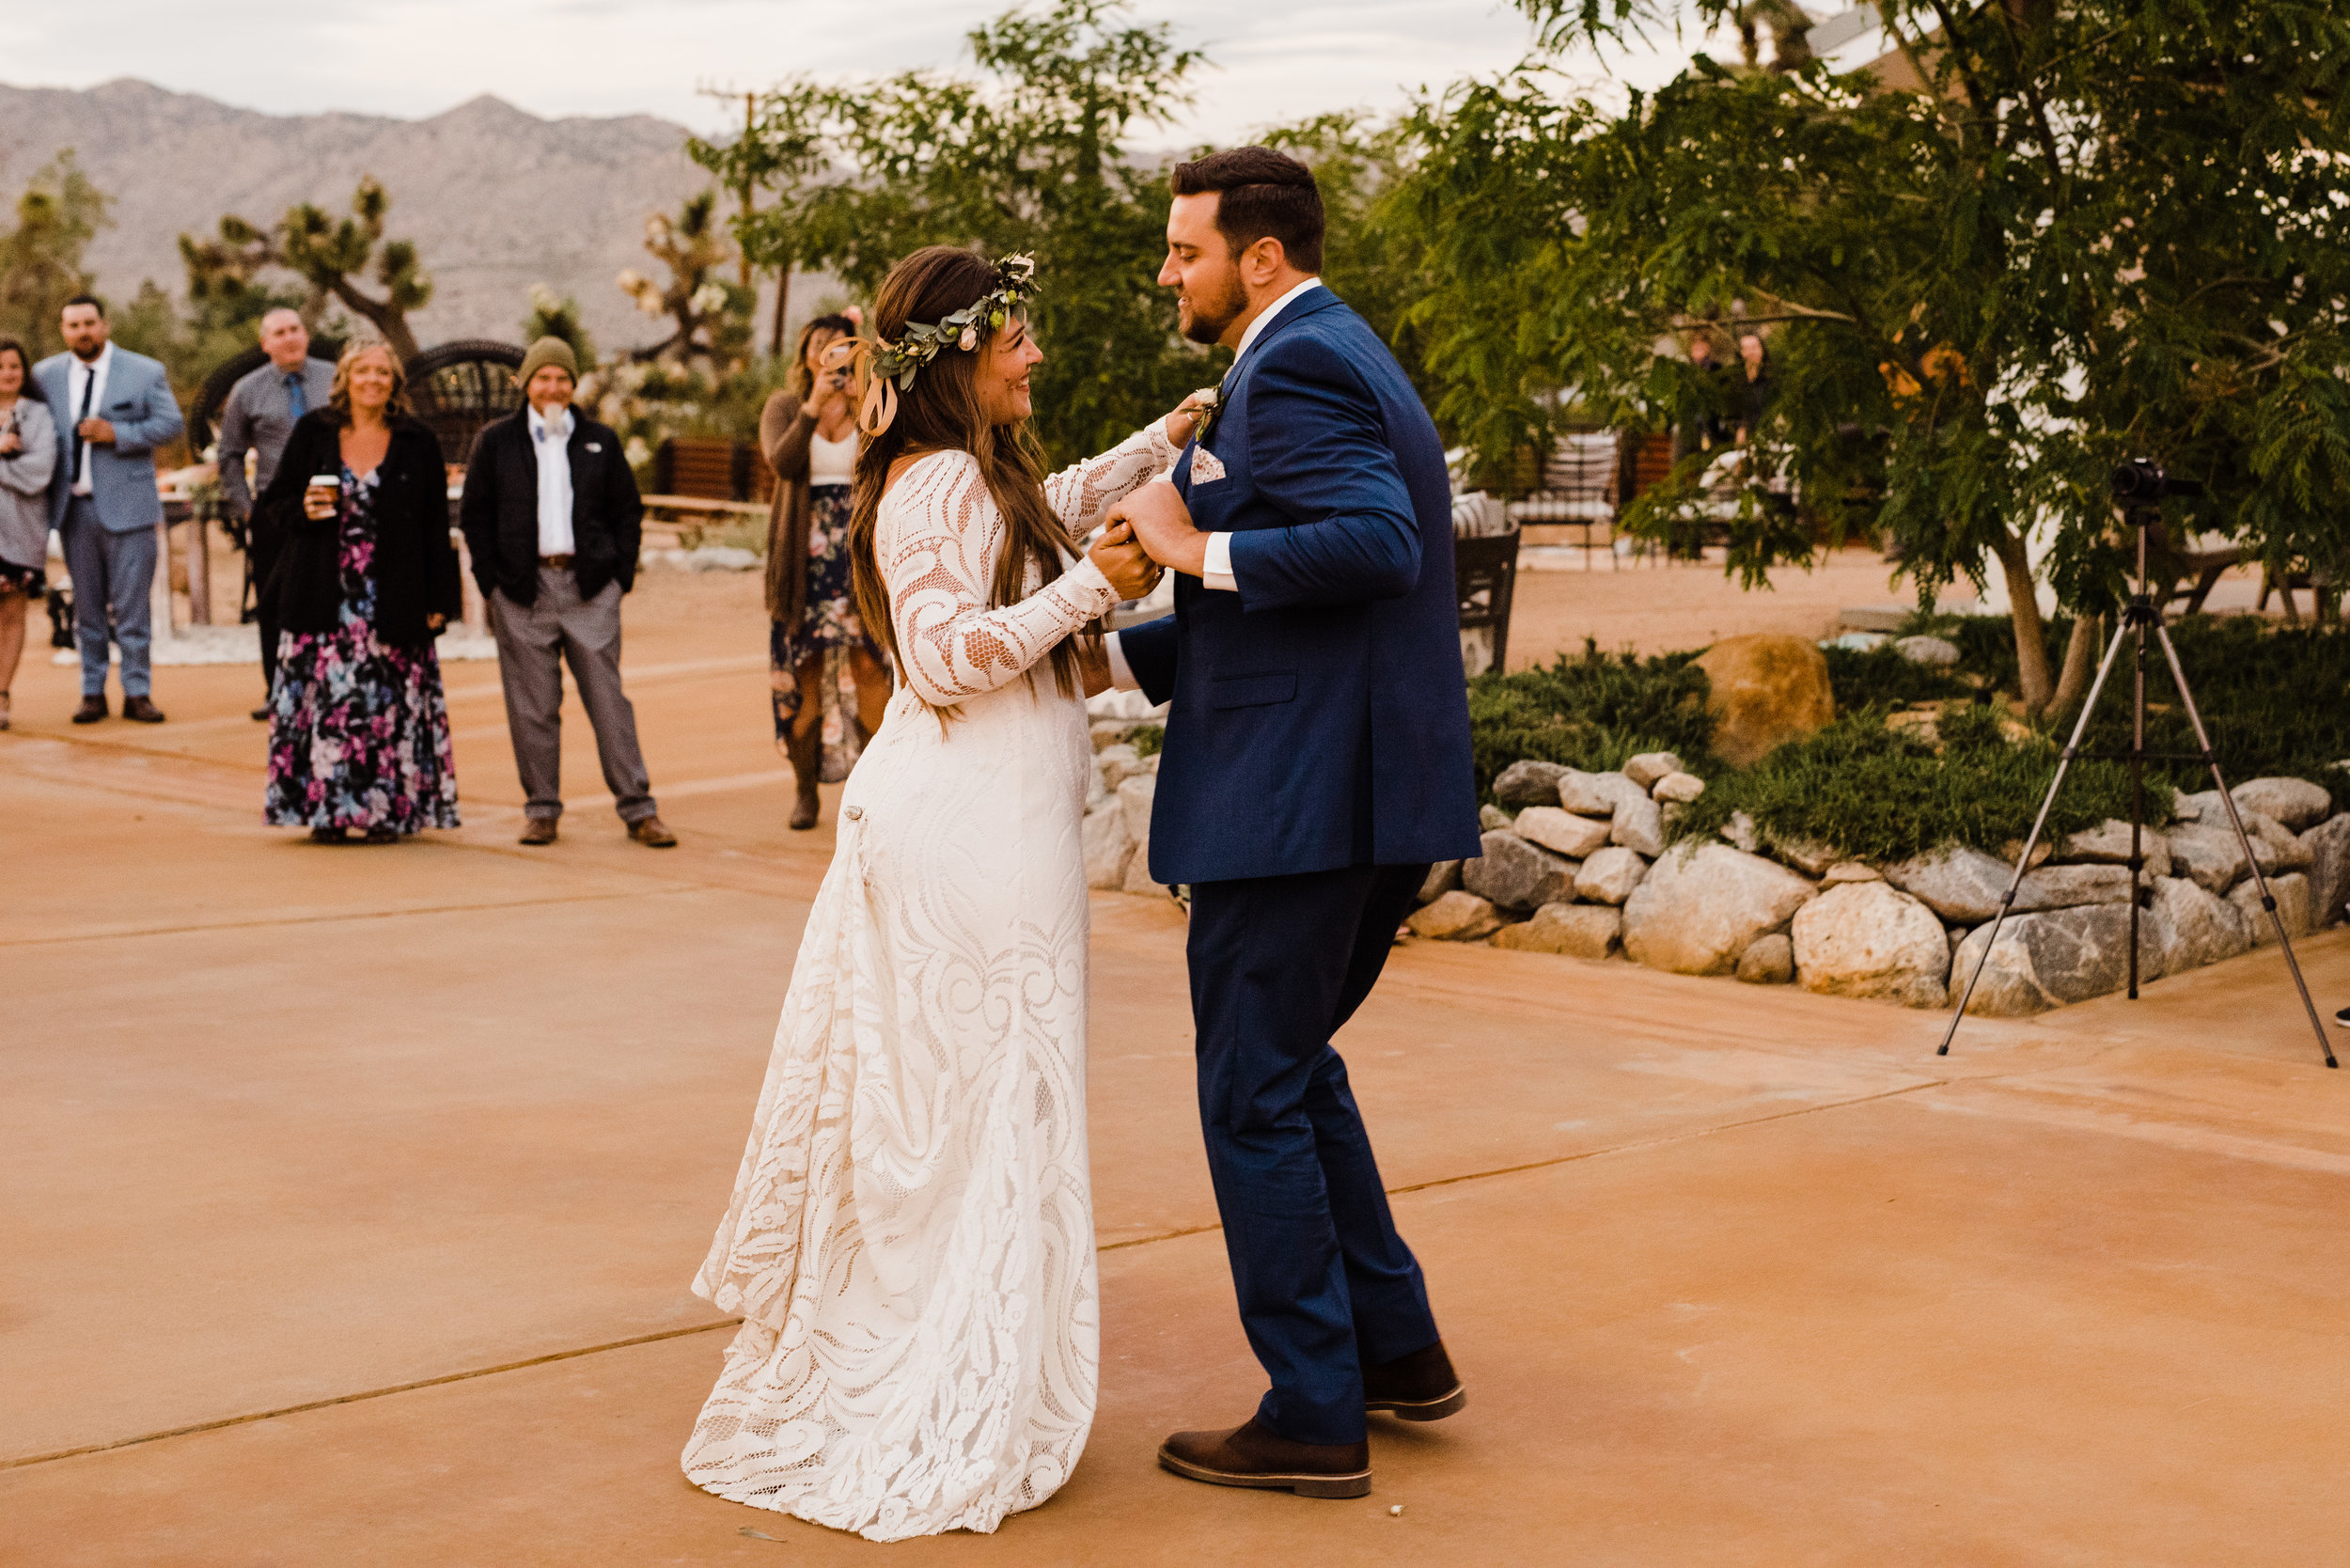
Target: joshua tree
<point>712,315</point>
<point>331,256</point>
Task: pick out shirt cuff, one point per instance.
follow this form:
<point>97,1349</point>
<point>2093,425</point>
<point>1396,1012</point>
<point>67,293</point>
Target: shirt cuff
<point>1216,571</point>
<point>1121,673</point>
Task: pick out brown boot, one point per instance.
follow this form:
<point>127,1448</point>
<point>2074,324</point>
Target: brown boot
<point>1251,1456</point>
<point>807,752</point>
<point>537,830</point>
<point>139,709</point>
<point>650,832</point>
<point>1420,1386</point>
<point>93,707</point>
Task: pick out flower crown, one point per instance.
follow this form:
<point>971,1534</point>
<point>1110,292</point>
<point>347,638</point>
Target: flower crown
<point>886,369</point>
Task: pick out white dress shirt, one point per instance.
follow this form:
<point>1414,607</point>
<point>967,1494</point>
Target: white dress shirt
<point>81,393</point>
<point>1216,570</point>
<point>553,437</point>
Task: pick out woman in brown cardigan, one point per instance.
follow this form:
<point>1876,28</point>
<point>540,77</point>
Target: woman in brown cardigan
<point>809,434</point>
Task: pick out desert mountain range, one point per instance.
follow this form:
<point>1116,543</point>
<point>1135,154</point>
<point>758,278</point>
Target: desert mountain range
<point>496,199</point>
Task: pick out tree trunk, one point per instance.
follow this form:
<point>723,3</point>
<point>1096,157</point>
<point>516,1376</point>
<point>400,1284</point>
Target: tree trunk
<point>783,306</point>
<point>2080,662</point>
<point>2031,644</point>
<point>390,322</point>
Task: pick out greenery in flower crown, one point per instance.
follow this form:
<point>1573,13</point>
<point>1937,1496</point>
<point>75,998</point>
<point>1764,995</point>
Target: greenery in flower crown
<point>921,342</point>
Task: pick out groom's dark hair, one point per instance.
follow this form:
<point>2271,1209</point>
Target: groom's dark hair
<point>1266,195</point>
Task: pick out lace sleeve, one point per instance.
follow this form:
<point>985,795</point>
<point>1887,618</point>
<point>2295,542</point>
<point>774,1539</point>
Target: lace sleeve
<point>938,535</point>
<point>1081,492</point>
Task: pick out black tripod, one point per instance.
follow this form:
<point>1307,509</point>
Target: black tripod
<point>2143,483</point>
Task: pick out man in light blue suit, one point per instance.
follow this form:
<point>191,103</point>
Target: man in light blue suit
<point>113,409</point>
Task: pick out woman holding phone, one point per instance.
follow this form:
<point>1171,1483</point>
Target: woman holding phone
<point>365,579</point>
<point>808,436</point>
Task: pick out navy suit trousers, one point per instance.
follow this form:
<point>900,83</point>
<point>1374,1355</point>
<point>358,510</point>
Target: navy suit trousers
<point>1326,1287</point>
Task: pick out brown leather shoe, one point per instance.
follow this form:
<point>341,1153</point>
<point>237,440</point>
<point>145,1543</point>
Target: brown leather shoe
<point>1420,1386</point>
<point>139,709</point>
<point>537,830</point>
<point>648,832</point>
<point>1251,1456</point>
<point>92,709</point>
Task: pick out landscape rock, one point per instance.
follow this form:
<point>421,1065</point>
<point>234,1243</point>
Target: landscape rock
<point>2012,851</point>
<point>1096,788</point>
<point>1117,765</point>
<point>2294,802</point>
<point>1697,911</point>
<point>2202,806</point>
<point>1596,795</point>
<point>1516,874</point>
<point>2068,887</point>
<point>1444,876</point>
<point>1527,782</point>
<point>1956,881</point>
<point>2290,853</point>
<point>1940,652</point>
<point>1766,689</point>
<point>1866,939</point>
<point>1740,833</point>
<point>1640,827</point>
<point>2292,893</point>
<point>1456,917</point>
<point>1650,766</point>
<point>1138,878</point>
<point>2209,854</point>
<point>1610,875</point>
<point>2109,844</point>
<point>1135,798</point>
<point>1493,819</point>
<point>1562,831</point>
<point>1808,855</point>
<point>1850,870</point>
<point>2047,960</point>
<point>1678,789</point>
<point>2328,844</point>
<point>1576,930</point>
<point>1106,844</point>
<point>1768,959</point>
<point>2188,926</point>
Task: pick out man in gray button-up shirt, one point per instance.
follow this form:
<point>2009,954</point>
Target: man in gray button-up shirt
<point>257,417</point>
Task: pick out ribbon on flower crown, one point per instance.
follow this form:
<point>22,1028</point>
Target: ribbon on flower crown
<point>885,368</point>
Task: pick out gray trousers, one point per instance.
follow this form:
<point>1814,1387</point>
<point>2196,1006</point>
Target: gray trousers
<point>113,574</point>
<point>534,640</point>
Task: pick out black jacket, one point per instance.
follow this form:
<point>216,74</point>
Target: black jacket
<point>415,564</point>
<point>500,511</point>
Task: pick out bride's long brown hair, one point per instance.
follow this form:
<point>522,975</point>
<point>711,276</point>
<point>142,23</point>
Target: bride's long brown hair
<point>942,412</point>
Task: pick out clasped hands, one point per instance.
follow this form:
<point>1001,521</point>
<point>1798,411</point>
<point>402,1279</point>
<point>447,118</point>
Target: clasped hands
<point>1148,532</point>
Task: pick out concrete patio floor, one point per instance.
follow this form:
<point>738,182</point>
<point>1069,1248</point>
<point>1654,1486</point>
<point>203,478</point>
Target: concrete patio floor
<point>351,1197</point>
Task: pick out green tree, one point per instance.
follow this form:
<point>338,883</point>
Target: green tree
<point>228,290</point>
<point>40,258</point>
<point>783,150</point>
<point>554,315</point>
<point>333,255</point>
<point>1370,260</point>
<point>2042,237</point>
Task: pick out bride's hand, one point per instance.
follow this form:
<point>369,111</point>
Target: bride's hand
<point>1131,571</point>
<point>1188,414</point>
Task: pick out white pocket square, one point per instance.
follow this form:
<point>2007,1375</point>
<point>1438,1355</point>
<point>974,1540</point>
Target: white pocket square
<point>1205,468</point>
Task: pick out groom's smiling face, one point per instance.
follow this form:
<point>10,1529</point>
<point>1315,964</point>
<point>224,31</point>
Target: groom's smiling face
<point>1200,265</point>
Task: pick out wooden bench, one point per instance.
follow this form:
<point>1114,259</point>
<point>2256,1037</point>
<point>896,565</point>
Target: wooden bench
<point>712,469</point>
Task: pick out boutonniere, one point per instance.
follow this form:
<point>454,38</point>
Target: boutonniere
<point>1211,404</point>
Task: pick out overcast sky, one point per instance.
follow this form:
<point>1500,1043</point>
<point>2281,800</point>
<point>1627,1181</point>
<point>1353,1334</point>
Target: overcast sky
<point>414,58</point>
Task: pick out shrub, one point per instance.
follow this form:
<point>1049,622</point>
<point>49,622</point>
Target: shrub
<point>1881,678</point>
<point>1148,741</point>
<point>1879,795</point>
<point>1592,711</point>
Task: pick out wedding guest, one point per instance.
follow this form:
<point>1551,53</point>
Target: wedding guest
<point>364,579</point>
<point>28,461</point>
<point>258,418</point>
<point>554,522</point>
<point>1755,359</point>
<point>113,409</point>
<point>808,436</point>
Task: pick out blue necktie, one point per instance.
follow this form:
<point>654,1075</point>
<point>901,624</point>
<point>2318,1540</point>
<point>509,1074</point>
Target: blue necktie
<point>297,397</point>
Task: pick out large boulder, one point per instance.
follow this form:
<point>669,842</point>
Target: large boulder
<point>1135,798</point>
<point>2328,844</point>
<point>1107,846</point>
<point>1516,874</point>
<point>1610,875</point>
<point>2285,850</point>
<point>2109,844</point>
<point>1696,911</point>
<point>2188,926</point>
<point>2066,886</point>
<point>1956,882</point>
<point>1576,930</point>
<point>1640,827</point>
<point>1650,766</point>
<point>1597,794</point>
<point>1767,689</point>
<point>2210,854</point>
<point>2047,960</point>
<point>2294,802</point>
<point>1457,917</point>
<point>1493,819</point>
<point>1561,832</point>
<point>1444,876</point>
<point>1769,960</point>
<point>1866,939</point>
<point>2292,893</point>
<point>1527,782</point>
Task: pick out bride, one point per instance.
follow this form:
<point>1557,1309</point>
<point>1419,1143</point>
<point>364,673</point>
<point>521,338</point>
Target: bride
<point>910,1238</point>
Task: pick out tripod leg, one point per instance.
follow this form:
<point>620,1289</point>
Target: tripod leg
<point>2269,900</point>
<point>2022,861</point>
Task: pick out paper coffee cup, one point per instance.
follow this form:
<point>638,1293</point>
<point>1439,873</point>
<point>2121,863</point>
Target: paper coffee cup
<point>326,481</point>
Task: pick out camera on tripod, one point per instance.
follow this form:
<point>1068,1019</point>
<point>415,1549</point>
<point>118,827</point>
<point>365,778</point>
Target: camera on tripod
<point>2142,481</point>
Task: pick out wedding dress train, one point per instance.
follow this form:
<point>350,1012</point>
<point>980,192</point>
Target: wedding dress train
<point>910,1238</point>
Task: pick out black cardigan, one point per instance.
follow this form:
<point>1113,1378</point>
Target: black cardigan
<point>500,511</point>
<point>416,565</point>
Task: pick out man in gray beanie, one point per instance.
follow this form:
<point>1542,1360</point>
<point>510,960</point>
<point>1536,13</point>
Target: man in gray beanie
<point>553,520</point>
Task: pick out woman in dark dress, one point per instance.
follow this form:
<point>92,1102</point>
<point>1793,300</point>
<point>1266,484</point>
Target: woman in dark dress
<point>365,579</point>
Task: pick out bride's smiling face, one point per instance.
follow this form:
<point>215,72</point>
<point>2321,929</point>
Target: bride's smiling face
<point>1003,373</point>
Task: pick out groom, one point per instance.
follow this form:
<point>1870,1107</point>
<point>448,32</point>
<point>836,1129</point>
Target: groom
<point>1317,761</point>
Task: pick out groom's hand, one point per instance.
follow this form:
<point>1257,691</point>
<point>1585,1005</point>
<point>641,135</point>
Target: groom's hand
<point>1163,522</point>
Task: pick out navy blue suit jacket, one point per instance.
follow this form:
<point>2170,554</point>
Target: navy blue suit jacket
<point>1320,717</point>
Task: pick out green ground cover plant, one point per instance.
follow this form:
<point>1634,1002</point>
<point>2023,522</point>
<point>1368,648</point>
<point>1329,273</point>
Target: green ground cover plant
<point>1592,711</point>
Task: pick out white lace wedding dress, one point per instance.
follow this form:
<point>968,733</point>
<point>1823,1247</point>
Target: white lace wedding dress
<point>911,1237</point>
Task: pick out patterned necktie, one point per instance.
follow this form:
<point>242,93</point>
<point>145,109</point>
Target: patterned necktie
<point>297,396</point>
